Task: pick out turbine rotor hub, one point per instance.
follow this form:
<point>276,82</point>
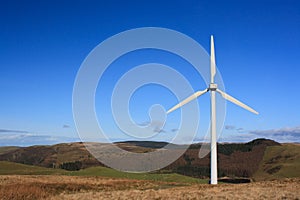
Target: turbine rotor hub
<point>213,87</point>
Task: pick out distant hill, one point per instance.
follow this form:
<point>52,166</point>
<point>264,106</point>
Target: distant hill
<point>146,144</point>
<point>51,156</point>
<point>253,159</point>
<point>234,159</point>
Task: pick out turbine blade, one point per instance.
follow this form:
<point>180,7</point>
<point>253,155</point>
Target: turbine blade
<point>235,101</point>
<point>185,101</point>
<point>212,60</point>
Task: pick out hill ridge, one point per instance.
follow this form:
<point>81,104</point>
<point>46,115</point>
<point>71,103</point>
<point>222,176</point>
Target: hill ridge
<point>235,159</point>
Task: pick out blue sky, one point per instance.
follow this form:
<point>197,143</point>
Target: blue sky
<point>43,44</point>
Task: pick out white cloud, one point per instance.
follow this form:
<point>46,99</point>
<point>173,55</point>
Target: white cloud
<point>288,134</point>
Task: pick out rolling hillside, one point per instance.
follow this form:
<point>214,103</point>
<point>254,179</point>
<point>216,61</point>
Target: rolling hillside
<point>6,149</point>
<point>50,156</point>
<point>279,162</point>
<point>259,159</point>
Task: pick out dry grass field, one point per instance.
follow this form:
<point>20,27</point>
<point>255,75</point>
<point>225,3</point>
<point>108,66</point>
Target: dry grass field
<point>55,187</point>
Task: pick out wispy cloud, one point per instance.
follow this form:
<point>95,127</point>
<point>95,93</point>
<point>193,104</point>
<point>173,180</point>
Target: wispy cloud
<point>244,137</point>
<point>144,123</point>
<point>232,127</point>
<point>158,130</point>
<point>240,130</point>
<point>157,126</point>
<point>288,134</point>
<point>12,131</point>
<point>66,126</point>
<point>32,139</point>
<point>174,130</point>
<point>11,137</point>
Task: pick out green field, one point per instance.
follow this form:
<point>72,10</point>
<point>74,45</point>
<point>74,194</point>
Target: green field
<point>9,168</point>
<point>279,162</point>
<point>107,172</point>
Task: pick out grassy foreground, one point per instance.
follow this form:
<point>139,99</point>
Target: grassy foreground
<point>57,187</point>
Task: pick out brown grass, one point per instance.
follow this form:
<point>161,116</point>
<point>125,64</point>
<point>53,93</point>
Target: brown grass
<point>16,191</point>
<point>66,187</point>
<point>23,187</point>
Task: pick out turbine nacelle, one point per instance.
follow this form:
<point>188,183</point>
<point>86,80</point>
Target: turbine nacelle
<point>213,87</point>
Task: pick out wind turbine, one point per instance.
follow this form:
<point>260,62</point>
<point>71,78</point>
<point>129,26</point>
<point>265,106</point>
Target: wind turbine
<point>213,88</point>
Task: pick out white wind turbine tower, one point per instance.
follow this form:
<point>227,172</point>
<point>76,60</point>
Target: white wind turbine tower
<point>213,88</point>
